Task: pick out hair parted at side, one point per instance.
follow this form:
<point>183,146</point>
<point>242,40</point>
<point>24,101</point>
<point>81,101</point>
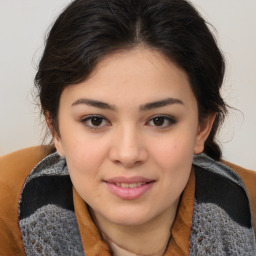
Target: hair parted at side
<point>88,30</point>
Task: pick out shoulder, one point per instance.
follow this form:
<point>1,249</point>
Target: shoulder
<point>249,179</point>
<point>232,181</point>
<point>248,176</point>
<point>21,160</point>
<point>222,208</point>
<point>14,169</point>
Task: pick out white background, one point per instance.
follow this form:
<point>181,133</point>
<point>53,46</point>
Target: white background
<point>23,24</point>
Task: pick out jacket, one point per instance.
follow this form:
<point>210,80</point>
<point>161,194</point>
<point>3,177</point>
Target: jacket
<point>29,204</point>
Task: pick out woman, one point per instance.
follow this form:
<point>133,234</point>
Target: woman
<point>130,91</point>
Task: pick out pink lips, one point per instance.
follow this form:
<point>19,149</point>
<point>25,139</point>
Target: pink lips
<point>129,188</point>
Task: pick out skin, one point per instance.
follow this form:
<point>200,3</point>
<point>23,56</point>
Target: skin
<point>129,140</point>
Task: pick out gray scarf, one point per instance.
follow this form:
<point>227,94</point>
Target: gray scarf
<point>221,217</point>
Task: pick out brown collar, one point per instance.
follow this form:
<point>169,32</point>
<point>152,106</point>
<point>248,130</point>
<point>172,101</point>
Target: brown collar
<point>180,242</point>
<point>94,244</point>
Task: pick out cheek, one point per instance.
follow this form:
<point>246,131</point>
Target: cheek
<point>173,159</point>
<point>84,163</point>
<point>174,152</point>
<point>84,159</point>
<point>83,151</point>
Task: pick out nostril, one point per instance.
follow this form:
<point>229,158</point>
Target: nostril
<point>127,164</point>
<point>127,155</point>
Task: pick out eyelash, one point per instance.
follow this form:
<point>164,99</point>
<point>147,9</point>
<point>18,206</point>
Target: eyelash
<point>90,118</point>
<point>165,118</point>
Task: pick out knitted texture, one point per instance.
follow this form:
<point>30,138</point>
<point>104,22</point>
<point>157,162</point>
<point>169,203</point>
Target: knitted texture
<point>215,233</point>
<point>221,216</point>
<point>50,165</point>
<point>51,231</point>
<point>47,218</point>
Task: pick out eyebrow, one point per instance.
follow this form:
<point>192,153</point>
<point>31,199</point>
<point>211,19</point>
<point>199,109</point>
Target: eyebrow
<point>94,103</point>
<point>145,107</point>
<point>160,103</point>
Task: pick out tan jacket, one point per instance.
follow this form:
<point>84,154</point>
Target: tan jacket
<point>15,167</point>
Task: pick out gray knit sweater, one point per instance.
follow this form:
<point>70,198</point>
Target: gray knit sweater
<point>221,217</point>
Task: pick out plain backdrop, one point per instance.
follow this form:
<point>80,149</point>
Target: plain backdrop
<point>24,23</point>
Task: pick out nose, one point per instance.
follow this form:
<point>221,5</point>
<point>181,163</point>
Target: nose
<point>127,148</point>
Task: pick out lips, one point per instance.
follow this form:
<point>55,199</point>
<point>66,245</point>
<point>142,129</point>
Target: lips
<point>131,185</point>
<point>129,188</point>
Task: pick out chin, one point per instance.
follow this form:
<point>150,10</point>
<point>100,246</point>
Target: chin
<point>129,217</point>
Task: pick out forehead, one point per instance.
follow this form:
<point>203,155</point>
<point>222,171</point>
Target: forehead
<point>139,74</point>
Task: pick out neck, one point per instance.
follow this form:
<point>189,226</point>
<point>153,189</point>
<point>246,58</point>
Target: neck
<point>118,251</point>
<point>147,239</point>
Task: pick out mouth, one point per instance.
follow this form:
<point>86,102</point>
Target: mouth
<point>130,185</point>
<point>129,188</point>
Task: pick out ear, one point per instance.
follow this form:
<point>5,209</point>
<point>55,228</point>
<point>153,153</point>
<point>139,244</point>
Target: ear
<point>204,130</point>
<point>56,137</point>
<point>48,120</point>
<point>58,145</point>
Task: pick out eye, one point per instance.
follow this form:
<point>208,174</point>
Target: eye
<point>161,121</point>
<point>95,121</point>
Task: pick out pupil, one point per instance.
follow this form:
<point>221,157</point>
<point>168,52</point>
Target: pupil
<point>96,121</point>
<point>158,121</point>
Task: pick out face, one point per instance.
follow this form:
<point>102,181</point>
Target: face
<point>128,134</point>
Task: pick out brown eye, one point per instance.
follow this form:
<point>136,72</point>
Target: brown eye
<point>161,121</point>
<point>158,121</point>
<point>95,121</point>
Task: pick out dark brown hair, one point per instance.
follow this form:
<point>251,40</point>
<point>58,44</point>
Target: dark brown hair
<point>88,30</point>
